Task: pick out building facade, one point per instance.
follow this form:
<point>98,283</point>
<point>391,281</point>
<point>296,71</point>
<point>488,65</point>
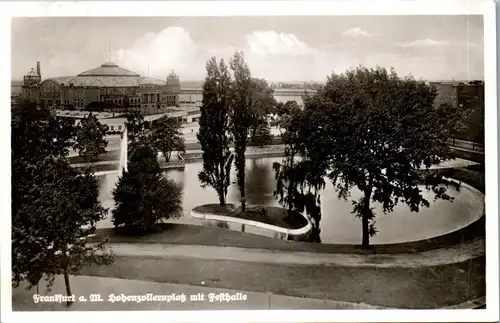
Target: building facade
<point>121,89</point>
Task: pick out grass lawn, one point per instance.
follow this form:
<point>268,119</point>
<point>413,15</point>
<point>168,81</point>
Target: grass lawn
<point>426,287</point>
<point>212,236</point>
<point>266,214</point>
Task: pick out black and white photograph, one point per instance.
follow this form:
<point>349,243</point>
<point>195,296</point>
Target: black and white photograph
<point>208,163</point>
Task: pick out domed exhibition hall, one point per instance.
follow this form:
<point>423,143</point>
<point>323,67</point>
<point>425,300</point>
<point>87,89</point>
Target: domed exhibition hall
<point>107,83</point>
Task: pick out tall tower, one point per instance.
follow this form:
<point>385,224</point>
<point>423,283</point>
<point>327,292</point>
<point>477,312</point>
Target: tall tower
<point>174,88</point>
<point>173,78</point>
<point>38,71</point>
<point>31,81</point>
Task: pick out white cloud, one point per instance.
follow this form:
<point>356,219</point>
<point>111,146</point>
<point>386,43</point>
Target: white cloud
<point>172,48</point>
<point>425,43</point>
<point>269,54</point>
<point>356,32</point>
<point>273,43</point>
<point>275,56</point>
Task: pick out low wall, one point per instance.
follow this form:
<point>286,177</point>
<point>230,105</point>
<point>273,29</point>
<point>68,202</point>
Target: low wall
<point>477,194</point>
<point>289,233</point>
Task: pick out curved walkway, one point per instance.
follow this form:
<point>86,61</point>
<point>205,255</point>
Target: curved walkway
<point>448,255</point>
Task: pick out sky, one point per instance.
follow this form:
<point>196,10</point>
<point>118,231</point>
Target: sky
<point>302,48</point>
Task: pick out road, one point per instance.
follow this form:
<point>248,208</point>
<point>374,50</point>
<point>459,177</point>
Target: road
<point>438,257</point>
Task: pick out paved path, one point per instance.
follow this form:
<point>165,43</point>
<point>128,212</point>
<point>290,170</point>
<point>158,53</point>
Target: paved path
<point>22,299</point>
<point>449,255</point>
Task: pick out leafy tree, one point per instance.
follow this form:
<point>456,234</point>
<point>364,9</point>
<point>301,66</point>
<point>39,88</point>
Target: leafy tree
<point>49,228</point>
<point>143,195</point>
<point>476,125</point>
<point>282,115</point>
<point>372,130</point>
<point>52,203</point>
<point>90,138</point>
<point>298,180</point>
<point>241,117</point>
<point>261,134</point>
<point>263,105</point>
<point>137,129</point>
<point>471,101</point>
<point>36,134</point>
<point>212,135</point>
<point>167,136</point>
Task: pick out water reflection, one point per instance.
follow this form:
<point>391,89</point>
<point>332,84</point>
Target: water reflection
<point>259,188</point>
<point>337,225</point>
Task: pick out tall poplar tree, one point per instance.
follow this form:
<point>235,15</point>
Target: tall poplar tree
<point>213,133</point>
<point>241,116</point>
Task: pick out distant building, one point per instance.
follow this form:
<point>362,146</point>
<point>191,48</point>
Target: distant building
<point>115,121</point>
<point>126,90</point>
<point>192,98</point>
<point>460,94</point>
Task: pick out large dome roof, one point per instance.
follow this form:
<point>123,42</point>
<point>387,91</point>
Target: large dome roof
<point>109,69</point>
<point>107,75</point>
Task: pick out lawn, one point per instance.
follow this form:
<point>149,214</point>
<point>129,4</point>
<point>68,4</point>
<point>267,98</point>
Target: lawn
<point>426,287</point>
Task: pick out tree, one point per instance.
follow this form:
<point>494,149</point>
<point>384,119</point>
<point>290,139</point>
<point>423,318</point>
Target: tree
<point>241,117</point>
<point>213,132</point>
<point>373,130</point>
<point>53,205</point>
<point>90,138</point>
<point>167,136</point>
<point>36,134</point>
<point>261,134</point>
<point>143,195</point>
<point>137,129</point>
<point>476,125</point>
<point>49,229</point>
<point>263,105</point>
<point>298,180</point>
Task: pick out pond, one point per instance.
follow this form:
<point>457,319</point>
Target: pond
<point>338,225</point>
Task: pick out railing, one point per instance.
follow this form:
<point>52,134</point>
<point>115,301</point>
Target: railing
<point>466,145</point>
